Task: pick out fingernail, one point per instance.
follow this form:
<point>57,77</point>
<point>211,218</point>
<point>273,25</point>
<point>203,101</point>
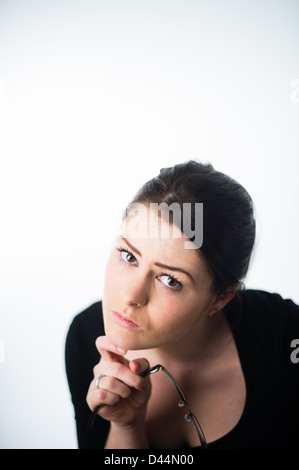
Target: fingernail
<point>121,350</point>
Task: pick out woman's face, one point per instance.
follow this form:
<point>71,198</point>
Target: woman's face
<point>156,291</point>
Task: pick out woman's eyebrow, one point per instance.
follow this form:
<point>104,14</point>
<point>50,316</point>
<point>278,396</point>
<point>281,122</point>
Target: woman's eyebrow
<point>160,265</point>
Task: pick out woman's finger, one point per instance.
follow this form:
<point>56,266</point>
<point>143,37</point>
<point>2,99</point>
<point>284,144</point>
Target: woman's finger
<point>96,398</point>
<point>139,365</point>
<point>111,384</point>
<point>123,373</point>
<point>109,351</point>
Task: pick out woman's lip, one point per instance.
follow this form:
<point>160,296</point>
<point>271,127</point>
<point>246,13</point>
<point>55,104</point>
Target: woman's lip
<point>123,321</point>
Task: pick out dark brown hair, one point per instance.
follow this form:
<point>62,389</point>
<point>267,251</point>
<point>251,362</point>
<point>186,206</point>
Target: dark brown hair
<point>228,215</point>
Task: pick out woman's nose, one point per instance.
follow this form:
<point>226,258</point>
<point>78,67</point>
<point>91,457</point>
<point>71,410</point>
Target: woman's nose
<point>135,292</point>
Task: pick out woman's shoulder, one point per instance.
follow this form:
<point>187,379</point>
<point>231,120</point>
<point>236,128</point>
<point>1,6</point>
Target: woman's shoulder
<point>263,304</point>
<point>272,322</point>
<point>84,329</point>
<point>91,315</point>
<point>266,319</point>
<point>263,297</point>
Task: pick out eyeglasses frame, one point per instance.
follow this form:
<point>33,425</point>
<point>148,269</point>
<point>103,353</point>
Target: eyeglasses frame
<point>189,416</point>
<point>183,401</point>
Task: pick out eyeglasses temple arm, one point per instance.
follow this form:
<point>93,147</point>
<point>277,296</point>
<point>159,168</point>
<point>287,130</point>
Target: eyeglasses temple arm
<point>151,370</point>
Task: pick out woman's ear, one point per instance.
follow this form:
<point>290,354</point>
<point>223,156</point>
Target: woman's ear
<point>221,300</point>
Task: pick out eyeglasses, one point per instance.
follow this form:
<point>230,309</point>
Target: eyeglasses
<point>189,416</point>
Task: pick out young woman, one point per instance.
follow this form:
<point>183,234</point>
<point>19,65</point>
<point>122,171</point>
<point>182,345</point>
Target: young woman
<point>170,301</point>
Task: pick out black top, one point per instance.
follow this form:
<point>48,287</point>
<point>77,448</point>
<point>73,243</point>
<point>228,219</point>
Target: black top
<point>264,330</point>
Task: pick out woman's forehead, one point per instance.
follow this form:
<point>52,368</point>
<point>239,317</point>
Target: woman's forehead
<point>150,235</point>
<point>148,225</point>
<point>144,222</point>
<point>162,220</point>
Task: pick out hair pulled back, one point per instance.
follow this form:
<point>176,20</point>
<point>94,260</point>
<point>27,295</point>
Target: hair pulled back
<point>228,215</point>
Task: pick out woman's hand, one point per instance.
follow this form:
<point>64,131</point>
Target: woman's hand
<point>122,394</point>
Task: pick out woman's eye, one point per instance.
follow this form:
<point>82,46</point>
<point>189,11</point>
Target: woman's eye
<point>170,282</point>
<point>127,257</point>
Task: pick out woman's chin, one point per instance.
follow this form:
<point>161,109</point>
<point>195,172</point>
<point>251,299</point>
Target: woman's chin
<point>125,340</point>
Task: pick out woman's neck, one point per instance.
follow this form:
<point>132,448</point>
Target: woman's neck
<point>201,347</point>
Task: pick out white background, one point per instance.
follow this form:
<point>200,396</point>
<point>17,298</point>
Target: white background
<point>95,98</point>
